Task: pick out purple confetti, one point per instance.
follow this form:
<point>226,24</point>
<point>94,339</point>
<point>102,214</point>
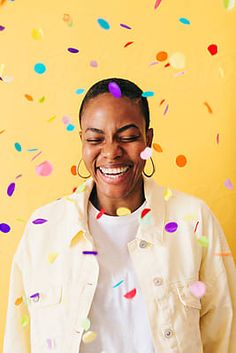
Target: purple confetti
<point>166,109</point>
<point>90,252</point>
<point>2,28</point>
<point>171,227</point>
<point>114,89</point>
<point>125,26</point>
<point>73,50</point>
<point>35,297</point>
<point>39,221</point>
<point>11,189</point>
<point>228,184</point>
<point>5,228</point>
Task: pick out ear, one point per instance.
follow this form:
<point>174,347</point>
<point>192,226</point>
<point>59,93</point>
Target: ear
<point>149,135</point>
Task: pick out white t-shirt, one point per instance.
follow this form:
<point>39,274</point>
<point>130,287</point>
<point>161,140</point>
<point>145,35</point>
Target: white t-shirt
<point>121,324</point>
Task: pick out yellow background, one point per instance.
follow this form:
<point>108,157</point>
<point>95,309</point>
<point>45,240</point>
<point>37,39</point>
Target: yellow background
<point>187,128</point>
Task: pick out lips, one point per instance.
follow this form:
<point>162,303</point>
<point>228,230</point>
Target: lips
<point>114,173</point>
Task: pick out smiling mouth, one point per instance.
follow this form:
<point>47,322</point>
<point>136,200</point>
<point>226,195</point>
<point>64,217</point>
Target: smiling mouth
<point>114,173</point>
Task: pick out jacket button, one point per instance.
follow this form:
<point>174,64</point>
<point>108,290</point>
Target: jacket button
<point>157,281</point>
<point>168,333</point>
<point>143,244</point>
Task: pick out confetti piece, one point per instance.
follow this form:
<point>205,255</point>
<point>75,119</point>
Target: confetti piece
<point>223,254</point>
<point>24,321</point>
<point>73,170</point>
<point>228,184</point>
<point>50,343</point>
<point>86,324</point>
<point>2,28</point>
<point>52,257</point>
<point>2,131</point>
<point>29,98</point>
<point>145,211</point>
<point>198,289</point>
<point>35,297</point>
<point>114,89</point>
<point>70,127</point>
<point>229,4</point>
<point>93,63</point>
<point>37,33</point>
<point>203,241</point>
<point>179,73</point>
<point>157,147</point>
<point>157,4</point>
<point>167,194</point>
<point>67,18</point>
<point>154,63</point>
<point>18,147</point>
<point>213,49</point>
<point>184,20</point>
<point>171,227</point>
<point>167,65</point>
<point>118,284</point>
<point>44,169</point>
<point>127,44</point>
<point>40,68</point>
<point>100,213</point>
<point>166,109</point>
<point>77,238</point>
<point>195,229</point>
<point>89,337</point>
<point>73,50</point>
<point>123,211</point>
<point>218,139</point>
<point>178,61</point>
<point>161,56</point>
<point>38,154</point>
<point>81,188</point>
<point>19,301</point>
<point>90,252</point>
<point>162,101</point>
<point>146,153</point>
<point>52,118</point>
<point>4,228</point>
<point>79,91</point>
<point>42,99</point>
<point>125,26</point>
<point>130,294</point>
<point>208,107</point>
<point>148,94</point>
<point>103,23</point>
<point>181,161</point>
<point>39,221</point>
<point>11,189</point>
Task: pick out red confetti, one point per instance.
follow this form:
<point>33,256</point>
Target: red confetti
<point>157,4</point>
<point>145,211</point>
<point>130,294</point>
<point>213,49</point>
<point>99,215</point>
<point>163,100</point>
<point>195,229</point>
<point>218,139</point>
<point>127,44</point>
<point>168,64</point>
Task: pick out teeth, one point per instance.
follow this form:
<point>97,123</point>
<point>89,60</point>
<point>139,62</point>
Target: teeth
<point>114,171</point>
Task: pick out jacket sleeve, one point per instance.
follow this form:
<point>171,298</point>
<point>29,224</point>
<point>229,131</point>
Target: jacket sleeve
<point>218,314</point>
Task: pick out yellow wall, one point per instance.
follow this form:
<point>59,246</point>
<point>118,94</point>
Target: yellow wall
<point>187,128</point>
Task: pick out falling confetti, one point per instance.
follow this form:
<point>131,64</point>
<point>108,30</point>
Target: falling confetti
<point>40,68</point>
<point>38,154</point>
<point>42,99</point>
<point>171,227</point>
<point>229,4</point>
<point>195,229</point>
<point>198,289</point>
<point>203,241</point>
<point>77,238</point>
<point>100,213</point>
<point>90,252</point>
<point>125,26</point>
<point>162,101</point>
<point>166,109</point>
<point>2,28</point>
<point>213,49</point>
<point>218,139</point>
<point>208,107</point>
<point>81,188</point>
<point>184,20</point>
<point>167,194</point>
<point>44,169</point>
<point>181,161</point>
<point>228,184</point>
<point>79,90</point>
<point>52,118</point>
<point>157,147</point>
<point>148,94</point>
<point>52,257</point>
<point>11,189</point>
<point>114,89</point>
<point>131,294</point>
<point>39,221</point>
<point>18,301</point>
<point>178,61</point>
<point>93,63</point>
<point>223,253</point>
<point>67,18</point>
<point>167,65</point>
<point>86,324</point>
<point>73,50</point>
<point>37,33</point>
<point>146,153</point>
<point>123,211</point>
<point>29,97</point>
<point>2,131</point>
<point>4,228</point>
<point>157,4</point>
<point>103,23</point>
<point>89,337</point>
<point>70,127</point>
<point>127,44</point>
<point>35,297</point>
<point>73,170</point>
<point>18,147</point>
<point>161,56</point>
<point>118,284</point>
<point>50,343</point>
<point>145,212</point>
<point>24,321</point>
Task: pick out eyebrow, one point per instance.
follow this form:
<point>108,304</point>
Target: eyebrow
<point>121,129</point>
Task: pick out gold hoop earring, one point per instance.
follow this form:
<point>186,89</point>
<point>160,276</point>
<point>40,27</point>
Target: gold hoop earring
<point>153,170</point>
<point>82,176</point>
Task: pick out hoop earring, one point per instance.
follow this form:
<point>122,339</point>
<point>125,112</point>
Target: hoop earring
<point>82,176</point>
<point>153,170</point>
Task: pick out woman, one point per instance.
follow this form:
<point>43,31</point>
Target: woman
<point>121,266</point>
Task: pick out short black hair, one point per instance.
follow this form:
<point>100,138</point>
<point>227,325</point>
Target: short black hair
<point>128,89</point>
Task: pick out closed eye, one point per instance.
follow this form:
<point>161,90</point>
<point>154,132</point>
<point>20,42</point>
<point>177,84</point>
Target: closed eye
<point>128,139</point>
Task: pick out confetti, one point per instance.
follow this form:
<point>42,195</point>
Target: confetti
<point>123,211</point>
<point>18,147</point>
<point>73,50</point>
<point>127,44</point>
<point>42,99</point>
<point>37,33</point>
<point>148,94</point>
<point>93,63</point>
<point>213,49</point>
<point>67,18</point>
<point>167,65</point>
<point>81,188</point>
<point>114,89</point>
<point>19,301</point>
<point>2,28</point>
<point>146,153</point>
<point>35,297</point>
<point>125,26</point>
<point>118,284</point>
<point>90,252</point>
<point>29,98</point>
<point>73,170</point>
<point>131,294</point>
<point>103,23</point>
<point>145,211</point>
<point>79,91</point>
<point>4,228</point>
<point>229,4</point>
<point>52,118</point>
<point>162,101</point>
<point>179,73</point>
<point>166,109</point>
<point>228,184</point>
<point>38,154</point>
<point>223,254</point>
<point>89,337</point>
<point>178,61</point>
<point>52,257</point>
<point>40,68</point>
<point>2,131</point>
<point>208,107</point>
<point>203,241</point>
<point>184,20</point>
<point>44,169</point>
<point>161,56</point>
<point>181,161</point>
<point>50,343</point>
<point>195,229</point>
<point>11,189</point>
<point>100,213</point>
<point>70,127</point>
<point>198,289</point>
<point>190,218</point>
<point>77,238</point>
<point>218,139</point>
<point>157,147</point>
<point>39,221</point>
<point>171,227</point>
<point>157,4</point>
<point>153,63</point>
<point>167,194</point>
<point>86,324</point>
<point>24,321</point>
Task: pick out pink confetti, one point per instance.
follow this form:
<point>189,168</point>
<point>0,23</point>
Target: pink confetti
<point>11,189</point>
<point>39,221</point>
<point>100,213</point>
<point>44,169</point>
<point>38,154</point>
<point>157,3</point>
<point>228,184</point>
<point>146,153</point>
<point>93,63</point>
<point>66,120</point>
<point>130,294</point>
<point>198,289</point>
<point>166,109</point>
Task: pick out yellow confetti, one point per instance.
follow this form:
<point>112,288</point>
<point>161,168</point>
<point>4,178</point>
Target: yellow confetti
<point>123,211</point>
<point>81,188</point>
<point>77,238</point>
<point>24,321</point>
<point>89,337</point>
<point>37,33</point>
<point>69,199</point>
<point>203,241</point>
<point>86,324</point>
<point>52,118</point>
<point>42,99</point>
<point>52,257</point>
<point>167,194</point>
<point>19,301</point>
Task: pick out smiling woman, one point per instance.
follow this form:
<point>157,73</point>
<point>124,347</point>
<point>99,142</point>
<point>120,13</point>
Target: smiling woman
<point>131,268</point>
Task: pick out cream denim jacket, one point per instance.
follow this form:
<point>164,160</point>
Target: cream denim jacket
<point>53,283</point>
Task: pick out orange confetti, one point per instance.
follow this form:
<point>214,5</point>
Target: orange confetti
<point>2,131</point>
<point>223,254</point>
<point>19,301</point>
<point>208,107</point>
<point>28,97</point>
<point>181,160</point>
<point>127,44</point>
<point>161,56</point>
<point>218,139</point>
<point>73,170</point>
<point>157,147</point>
<point>163,100</point>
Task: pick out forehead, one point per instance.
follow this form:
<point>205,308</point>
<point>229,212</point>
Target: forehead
<point>106,112</point>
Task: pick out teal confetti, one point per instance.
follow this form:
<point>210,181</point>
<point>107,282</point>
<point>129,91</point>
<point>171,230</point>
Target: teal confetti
<point>184,20</point>
<point>103,23</point>
<point>148,94</point>
<point>118,284</point>
<point>79,91</point>
<point>18,147</point>
<point>40,68</point>
<point>70,127</point>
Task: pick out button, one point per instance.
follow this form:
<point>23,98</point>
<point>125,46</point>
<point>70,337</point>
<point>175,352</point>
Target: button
<point>157,281</point>
<point>168,333</point>
<point>143,244</point>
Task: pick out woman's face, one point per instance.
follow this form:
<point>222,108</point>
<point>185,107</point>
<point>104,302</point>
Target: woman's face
<point>113,136</point>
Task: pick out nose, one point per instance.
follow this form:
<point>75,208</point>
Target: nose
<point>111,150</point>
